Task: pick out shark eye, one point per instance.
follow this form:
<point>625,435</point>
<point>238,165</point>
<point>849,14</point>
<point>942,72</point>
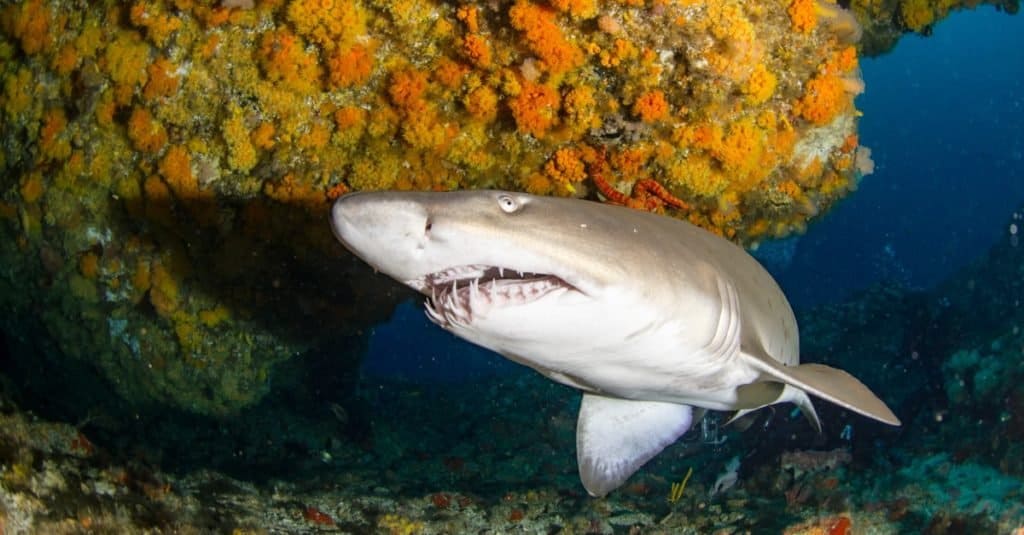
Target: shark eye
<point>508,204</point>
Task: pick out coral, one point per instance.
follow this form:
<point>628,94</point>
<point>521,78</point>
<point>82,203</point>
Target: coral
<point>651,106</point>
<point>760,86</point>
<point>241,152</point>
<point>31,23</point>
<point>803,15</point>
<point>477,50</point>
<point>146,133</point>
<point>350,67</point>
<point>328,23</point>
<point>544,37</point>
<point>398,525</point>
<point>162,80</point>
<point>284,59</point>
<point>535,109</point>
<point>824,99</point>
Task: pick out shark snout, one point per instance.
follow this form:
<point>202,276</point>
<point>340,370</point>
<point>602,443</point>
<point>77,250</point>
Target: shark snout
<point>387,230</point>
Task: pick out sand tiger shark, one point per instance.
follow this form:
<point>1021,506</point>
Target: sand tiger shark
<point>652,318</point>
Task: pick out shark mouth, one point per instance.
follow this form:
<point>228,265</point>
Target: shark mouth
<point>458,294</point>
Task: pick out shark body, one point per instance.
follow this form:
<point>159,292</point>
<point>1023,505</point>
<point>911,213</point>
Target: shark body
<point>650,317</point>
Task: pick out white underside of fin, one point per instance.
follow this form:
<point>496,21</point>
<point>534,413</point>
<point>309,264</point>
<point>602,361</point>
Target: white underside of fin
<point>615,437</point>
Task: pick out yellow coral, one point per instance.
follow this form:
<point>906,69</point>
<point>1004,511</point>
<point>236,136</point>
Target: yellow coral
<point>916,14</point>
<point>284,59</point>
<point>241,153</point>
<point>328,23</point>
<point>125,60</point>
<point>482,103</point>
<point>760,85</point>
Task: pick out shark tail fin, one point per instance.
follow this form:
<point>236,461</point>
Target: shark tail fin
<point>830,384</point>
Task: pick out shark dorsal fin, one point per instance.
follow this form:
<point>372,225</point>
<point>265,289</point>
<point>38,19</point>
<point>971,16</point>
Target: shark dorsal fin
<point>615,437</point>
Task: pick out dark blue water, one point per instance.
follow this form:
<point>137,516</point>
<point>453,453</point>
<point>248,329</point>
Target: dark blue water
<point>944,117</point>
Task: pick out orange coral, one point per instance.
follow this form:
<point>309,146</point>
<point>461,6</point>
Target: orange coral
<point>477,50</point>
<point>803,15</point>
<point>469,15</point>
<point>30,23</point>
<point>89,265</point>
<point>350,67</point>
<point>176,168</point>
<point>407,89</point>
<point>263,136</point>
<point>578,9</point>
<point>651,106</point>
<point>284,58</point>
<point>32,187</point>
<point>159,25</point>
<point>146,133</point>
<point>163,82</point>
<point>535,109</point>
<point>566,167</point>
<point>292,191</point>
<point>51,143</point>
<point>544,37</point>
<point>824,99</point>
<point>450,73</point>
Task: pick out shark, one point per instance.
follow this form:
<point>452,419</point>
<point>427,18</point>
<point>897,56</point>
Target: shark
<point>653,319</point>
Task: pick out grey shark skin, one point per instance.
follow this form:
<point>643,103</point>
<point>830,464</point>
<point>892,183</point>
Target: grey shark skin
<point>647,315</point>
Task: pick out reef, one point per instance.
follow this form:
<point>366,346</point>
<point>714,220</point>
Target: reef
<point>885,21</point>
<point>167,166</point>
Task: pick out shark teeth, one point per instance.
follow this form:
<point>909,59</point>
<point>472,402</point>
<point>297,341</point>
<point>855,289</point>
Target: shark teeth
<point>482,289</point>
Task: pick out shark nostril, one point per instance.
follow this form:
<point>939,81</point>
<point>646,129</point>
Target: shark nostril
<point>429,225</point>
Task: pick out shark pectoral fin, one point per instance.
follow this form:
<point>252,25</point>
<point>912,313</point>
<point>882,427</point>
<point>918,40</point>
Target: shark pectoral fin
<point>763,393</point>
<point>830,384</point>
<point>615,437</point>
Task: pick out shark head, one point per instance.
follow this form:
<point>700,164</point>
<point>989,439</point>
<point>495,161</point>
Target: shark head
<point>430,242</point>
<point>648,316</point>
<point>489,261</point>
